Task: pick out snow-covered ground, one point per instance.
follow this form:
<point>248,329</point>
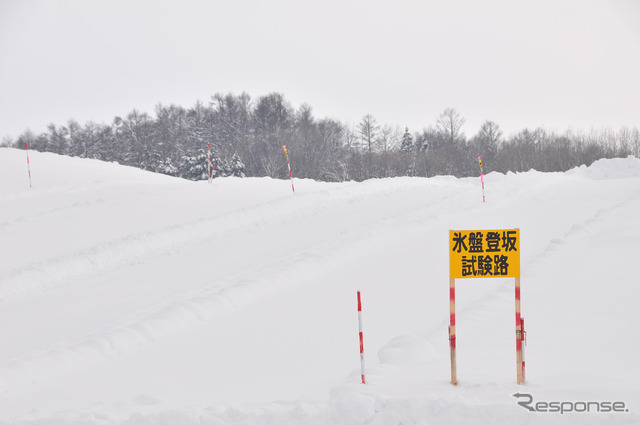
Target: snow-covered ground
<point>128,297</point>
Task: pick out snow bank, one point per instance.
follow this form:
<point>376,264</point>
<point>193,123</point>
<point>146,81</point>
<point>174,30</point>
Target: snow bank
<point>615,168</point>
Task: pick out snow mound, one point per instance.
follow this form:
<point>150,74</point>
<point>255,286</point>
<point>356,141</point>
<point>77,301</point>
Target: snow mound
<point>608,169</point>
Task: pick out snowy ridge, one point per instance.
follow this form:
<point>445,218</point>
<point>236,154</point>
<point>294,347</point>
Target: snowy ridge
<point>146,299</point>
<point>132,249</point>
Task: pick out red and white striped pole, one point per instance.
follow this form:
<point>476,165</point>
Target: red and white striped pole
<point>361,338</point>
<point>518,333</point>
<point>524,343</point>
<point>209,169</point>
<point>452,330</point>
<point>26,144</point>
<point>284,147</point>
<point>347,172</point>
<point>481,176</point>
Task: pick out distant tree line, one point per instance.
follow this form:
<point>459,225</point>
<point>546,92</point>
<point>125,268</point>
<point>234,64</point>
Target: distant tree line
<point>247,135</point>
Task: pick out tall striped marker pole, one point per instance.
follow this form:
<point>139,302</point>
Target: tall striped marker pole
<point>518,333</point>
<point>452,330</point>
<point>361,338</point>
<point>26,144</point>
<point>284,147</point>
<point>481,176</point>
<point>524,343</point>
<point>209,169</point>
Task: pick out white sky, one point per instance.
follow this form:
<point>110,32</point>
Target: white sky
<point>550,63</point>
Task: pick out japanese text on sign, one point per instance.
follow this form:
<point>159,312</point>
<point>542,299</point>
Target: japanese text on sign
<point>484,253</point>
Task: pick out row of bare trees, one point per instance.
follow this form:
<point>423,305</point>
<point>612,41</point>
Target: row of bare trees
<point>247,136</point>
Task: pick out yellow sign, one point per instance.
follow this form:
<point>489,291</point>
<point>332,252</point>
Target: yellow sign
<point>484,253</point>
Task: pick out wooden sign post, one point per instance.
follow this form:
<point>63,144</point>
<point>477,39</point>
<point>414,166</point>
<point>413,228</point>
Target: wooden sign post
<point>482,254</point>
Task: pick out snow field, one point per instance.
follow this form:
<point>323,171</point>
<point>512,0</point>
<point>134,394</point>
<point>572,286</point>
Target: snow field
<point>129,297</point>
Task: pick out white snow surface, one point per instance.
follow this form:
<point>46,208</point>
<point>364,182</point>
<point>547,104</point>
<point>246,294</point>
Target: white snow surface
<point>128,297</point>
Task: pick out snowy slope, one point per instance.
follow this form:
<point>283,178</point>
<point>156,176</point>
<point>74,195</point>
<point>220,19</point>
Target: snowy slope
<point>133,298</point>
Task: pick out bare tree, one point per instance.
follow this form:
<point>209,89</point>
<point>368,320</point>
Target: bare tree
<point>388,138</point>
<point>368,132</point>
<point>450,123</point>
<point>487,140</point>
<point>273,121</point>
<point>7,141</point>
<point>635,142</point>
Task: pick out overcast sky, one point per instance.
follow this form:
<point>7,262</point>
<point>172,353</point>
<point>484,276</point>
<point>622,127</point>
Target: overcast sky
<point>523,64</point>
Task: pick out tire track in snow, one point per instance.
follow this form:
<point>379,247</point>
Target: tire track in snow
<point>135,249</point>
<point>205,304</point>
